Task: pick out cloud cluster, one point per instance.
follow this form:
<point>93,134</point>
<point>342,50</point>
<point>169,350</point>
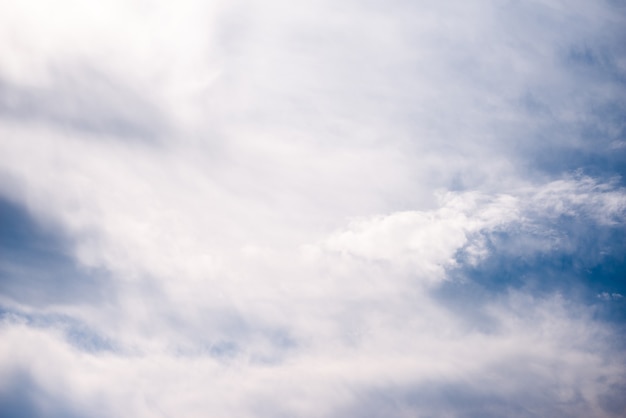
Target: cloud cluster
<point>316,210</point>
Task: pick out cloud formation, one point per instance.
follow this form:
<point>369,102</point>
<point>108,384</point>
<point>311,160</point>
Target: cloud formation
<point>313,209</point>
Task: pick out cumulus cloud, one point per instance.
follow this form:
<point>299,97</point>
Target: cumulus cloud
<point>312,209</point>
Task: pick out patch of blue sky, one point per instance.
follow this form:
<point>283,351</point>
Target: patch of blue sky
<point>75,332</point>
<point>593,145</point>
<point>596,146</point>
<point>36,267</point>
<point>23,398</point>
<point>578,122</point>
<point>597,61</point>
<point>572,256</point>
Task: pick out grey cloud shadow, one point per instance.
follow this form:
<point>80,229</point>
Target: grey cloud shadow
<point>86,100</point>
<point>227,334</point>
<point>462,399</point>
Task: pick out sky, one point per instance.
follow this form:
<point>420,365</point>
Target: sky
<point>312,209</point>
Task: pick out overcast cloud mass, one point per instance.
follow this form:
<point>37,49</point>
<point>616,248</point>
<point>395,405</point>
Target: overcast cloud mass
<point>313,209</point>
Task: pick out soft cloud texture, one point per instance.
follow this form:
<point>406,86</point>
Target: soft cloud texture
<point>312,209</point>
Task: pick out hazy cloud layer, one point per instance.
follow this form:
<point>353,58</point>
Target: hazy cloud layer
<point>312,209</point>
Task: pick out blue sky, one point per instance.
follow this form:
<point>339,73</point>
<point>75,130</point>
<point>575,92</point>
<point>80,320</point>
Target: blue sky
<point>312,209</point>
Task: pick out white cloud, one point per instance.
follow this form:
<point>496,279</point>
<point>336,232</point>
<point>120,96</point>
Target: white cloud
<point>537,348</point>
<point>276,193</point>
<point>610,296</point>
